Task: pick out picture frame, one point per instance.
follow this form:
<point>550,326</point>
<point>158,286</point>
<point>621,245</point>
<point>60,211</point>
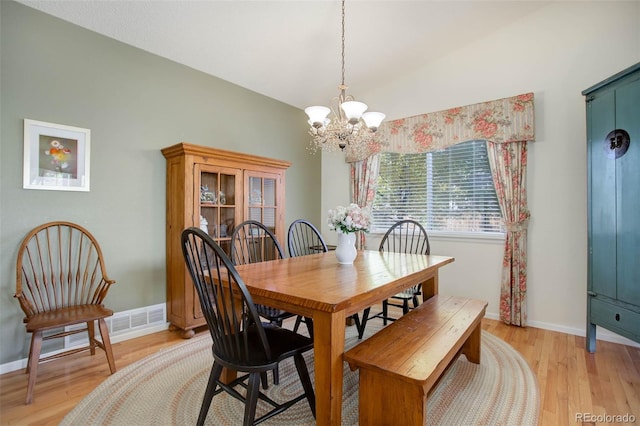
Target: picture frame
<point>56,157</point>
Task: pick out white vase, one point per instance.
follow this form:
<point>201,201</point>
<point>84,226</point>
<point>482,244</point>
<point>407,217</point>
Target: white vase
<point>346,250</point>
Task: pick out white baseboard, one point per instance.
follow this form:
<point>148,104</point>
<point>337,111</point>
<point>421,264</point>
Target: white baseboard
<point>601,333</point>
<point>122,326</point>
<point>151,319</point>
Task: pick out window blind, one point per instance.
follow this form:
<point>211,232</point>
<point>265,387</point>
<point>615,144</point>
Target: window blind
<point>450,190</point>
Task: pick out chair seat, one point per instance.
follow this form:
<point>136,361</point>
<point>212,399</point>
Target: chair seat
<point>273,314</point>
<point>407,294</point>
<point>66,316</point>
<point>282,342</point>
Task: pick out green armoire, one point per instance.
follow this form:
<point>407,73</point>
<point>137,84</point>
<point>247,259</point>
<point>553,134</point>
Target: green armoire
<point>613,155</point>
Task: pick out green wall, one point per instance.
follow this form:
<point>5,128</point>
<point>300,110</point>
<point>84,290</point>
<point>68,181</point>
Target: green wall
<point>135,103</point>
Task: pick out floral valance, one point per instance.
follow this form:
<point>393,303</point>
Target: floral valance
<point>500,121</point>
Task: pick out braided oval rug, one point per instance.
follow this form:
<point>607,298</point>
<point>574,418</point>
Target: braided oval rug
<point>167,389</point>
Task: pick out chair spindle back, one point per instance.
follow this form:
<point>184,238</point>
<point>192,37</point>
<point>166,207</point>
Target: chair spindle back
<point>253,242</point>
<point>304,238</point>
<point>60,264</point>
<point>406,236</point>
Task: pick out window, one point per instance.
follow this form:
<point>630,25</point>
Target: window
<point>450,190</point>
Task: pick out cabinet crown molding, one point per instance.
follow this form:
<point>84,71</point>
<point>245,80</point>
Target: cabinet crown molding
<point>185,148</point>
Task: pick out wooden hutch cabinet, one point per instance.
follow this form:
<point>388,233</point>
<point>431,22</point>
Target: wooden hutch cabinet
<point>613,148</point>
<point>215,190</point>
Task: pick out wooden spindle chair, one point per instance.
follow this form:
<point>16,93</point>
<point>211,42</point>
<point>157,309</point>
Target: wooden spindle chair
<point>61,281</point>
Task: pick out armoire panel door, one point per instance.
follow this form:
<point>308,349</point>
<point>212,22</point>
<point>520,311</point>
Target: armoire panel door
<point>602,198</point>
<point>628,180</point>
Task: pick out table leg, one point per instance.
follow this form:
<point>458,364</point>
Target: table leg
<point>328,332</point>
<point>228,376</point>
<point>430,286</point>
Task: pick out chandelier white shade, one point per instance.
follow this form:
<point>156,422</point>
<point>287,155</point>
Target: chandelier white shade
<point>346,124</point>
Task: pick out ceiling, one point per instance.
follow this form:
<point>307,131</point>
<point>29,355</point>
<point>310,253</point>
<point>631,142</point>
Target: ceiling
<point>290,50</point>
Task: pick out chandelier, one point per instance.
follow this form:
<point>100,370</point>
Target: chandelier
<point>349,126</point>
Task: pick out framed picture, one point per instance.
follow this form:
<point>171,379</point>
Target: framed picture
<point>56,157</point>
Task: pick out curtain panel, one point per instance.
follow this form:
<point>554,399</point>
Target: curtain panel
<point>500,121</point>
<point>508,164</point>
<point>364,180</point>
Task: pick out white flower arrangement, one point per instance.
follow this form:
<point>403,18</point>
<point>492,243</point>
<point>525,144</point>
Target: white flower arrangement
<point>349,219</point>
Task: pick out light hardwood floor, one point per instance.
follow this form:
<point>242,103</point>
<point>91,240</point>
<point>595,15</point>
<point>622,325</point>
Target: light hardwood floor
<point>571,380</point>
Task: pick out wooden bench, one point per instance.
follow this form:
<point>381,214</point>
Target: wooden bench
<point>400,364</point>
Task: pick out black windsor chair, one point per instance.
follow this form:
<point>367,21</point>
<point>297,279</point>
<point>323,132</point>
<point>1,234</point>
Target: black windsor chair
<point>241,342</point>
<point>304,239</point>
<point>405,236</point>
<point>253,242</point>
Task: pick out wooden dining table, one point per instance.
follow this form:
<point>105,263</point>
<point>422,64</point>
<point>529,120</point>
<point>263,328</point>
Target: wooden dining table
<point>317,286</point>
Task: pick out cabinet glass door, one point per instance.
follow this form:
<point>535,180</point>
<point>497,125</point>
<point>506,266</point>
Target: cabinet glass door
<point>218,211</point>
<point>262,202</point>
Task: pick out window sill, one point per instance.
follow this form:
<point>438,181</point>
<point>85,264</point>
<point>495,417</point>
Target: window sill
<point>491,238</point>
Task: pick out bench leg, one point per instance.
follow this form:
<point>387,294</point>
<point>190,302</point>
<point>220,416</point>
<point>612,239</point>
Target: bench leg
<point>471,348</point>
<point>383,401</point>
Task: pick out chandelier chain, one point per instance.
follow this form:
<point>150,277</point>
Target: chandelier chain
<point>343,42</point>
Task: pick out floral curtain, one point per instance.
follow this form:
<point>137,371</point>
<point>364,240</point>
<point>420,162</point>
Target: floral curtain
<point>506,124</point>
<point>364,178</point>
<point>500,121</point>
<point>509,170</point>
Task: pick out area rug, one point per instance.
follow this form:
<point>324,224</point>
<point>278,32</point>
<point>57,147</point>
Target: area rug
<point>167,389</point>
